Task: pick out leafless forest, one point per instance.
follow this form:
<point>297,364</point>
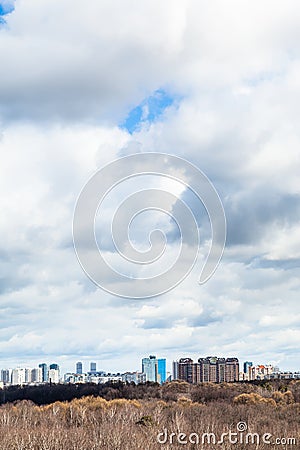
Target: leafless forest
<point>94,422</point>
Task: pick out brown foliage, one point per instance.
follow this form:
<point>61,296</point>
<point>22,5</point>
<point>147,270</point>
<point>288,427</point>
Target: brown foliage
<point>96,423</point>
<point>253,399</point>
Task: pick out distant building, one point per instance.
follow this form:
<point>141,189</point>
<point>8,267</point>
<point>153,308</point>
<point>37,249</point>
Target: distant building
<point>79,368</point>
<point>150,368</point>
<point>209,369</point>
<point>54,376</point>
<point>36,375</point>
<point>261,372</point>
<point>22,375</point>
<point>175,365</point>
<point>44,369</point>
<point>103,378</point>
<point>75,378</point>
<point>18,376</point>
<point>247,365</point>
<point>205,375</point>
<point>154,369</point>
<point>222,372</point>
<point>6,376</point>
<point>188,371</point>
<point>134,377</point>
<point>169,377</point>
<point>28,372</point>
<point>93,367</point>
<point>54,367</point>
<point>232,370</point>
<point>212,369</point>
<point>161,370</point>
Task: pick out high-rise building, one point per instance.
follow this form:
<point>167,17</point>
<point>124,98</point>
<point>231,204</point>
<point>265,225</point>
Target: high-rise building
<point>149,367</point>
<point>175,366</point>
<point>221,370</point>
<point>93,367</point>
<point>188,371</point>
<point>54,366</point>
<point>212,369</point>
<point>261,371</point>
<point>232,369</point>
<point>18,376</point>
<point>54,376</point>
<point>25,375</point>
<point>79,368</point>
<point>28,372</point>
<point>37,375</point>
<point>5,376</point>
<point>44,368</point>
<point>247,365</point>
<point>185,369</point>
<point>161,370</point>
<point>218,370</point>
<point>204,370</point>
<point>209,369</point>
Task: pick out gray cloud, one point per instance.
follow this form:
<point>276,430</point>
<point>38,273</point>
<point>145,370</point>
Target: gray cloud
<point>65,85</point>
<point>253,214</point>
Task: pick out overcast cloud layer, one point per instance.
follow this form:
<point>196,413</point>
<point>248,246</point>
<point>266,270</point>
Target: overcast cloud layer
<point>228,74</point>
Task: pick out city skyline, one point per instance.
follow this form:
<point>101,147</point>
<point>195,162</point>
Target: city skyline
<point>88,366</point>
<point>209,369</point>
<point>190,79</point>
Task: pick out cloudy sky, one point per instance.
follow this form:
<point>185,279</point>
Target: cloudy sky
<point>217,83</point>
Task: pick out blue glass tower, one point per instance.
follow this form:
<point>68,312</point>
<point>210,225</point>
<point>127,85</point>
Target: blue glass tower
<point>44,368</point>
<point>161,370</point>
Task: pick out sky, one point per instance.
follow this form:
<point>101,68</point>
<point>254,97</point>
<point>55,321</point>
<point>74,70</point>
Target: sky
<point>216,83</point>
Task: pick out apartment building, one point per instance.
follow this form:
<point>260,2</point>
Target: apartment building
<point>210,369</point>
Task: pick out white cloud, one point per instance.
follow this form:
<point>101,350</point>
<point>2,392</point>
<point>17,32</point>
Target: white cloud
<point>70,72</point>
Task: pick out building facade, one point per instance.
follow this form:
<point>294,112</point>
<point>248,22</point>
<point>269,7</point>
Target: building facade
<point>6,376</point>
<point>134,377</point>
<point>260,372</point>
<point>232,370</point>
<point>161,370</point>
<point>150,367</point>
<point>247,366</point>
<point>79,368</point>
<point>93,367</point>
<point>175,368</point>
<point>54,375</point>
<point>210,369</point>
<point>44,368</point>
<point>188,371</point>
<point>37,375</point>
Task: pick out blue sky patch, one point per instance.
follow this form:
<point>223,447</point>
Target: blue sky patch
<point>148,110</point>
<point>6,7</point>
